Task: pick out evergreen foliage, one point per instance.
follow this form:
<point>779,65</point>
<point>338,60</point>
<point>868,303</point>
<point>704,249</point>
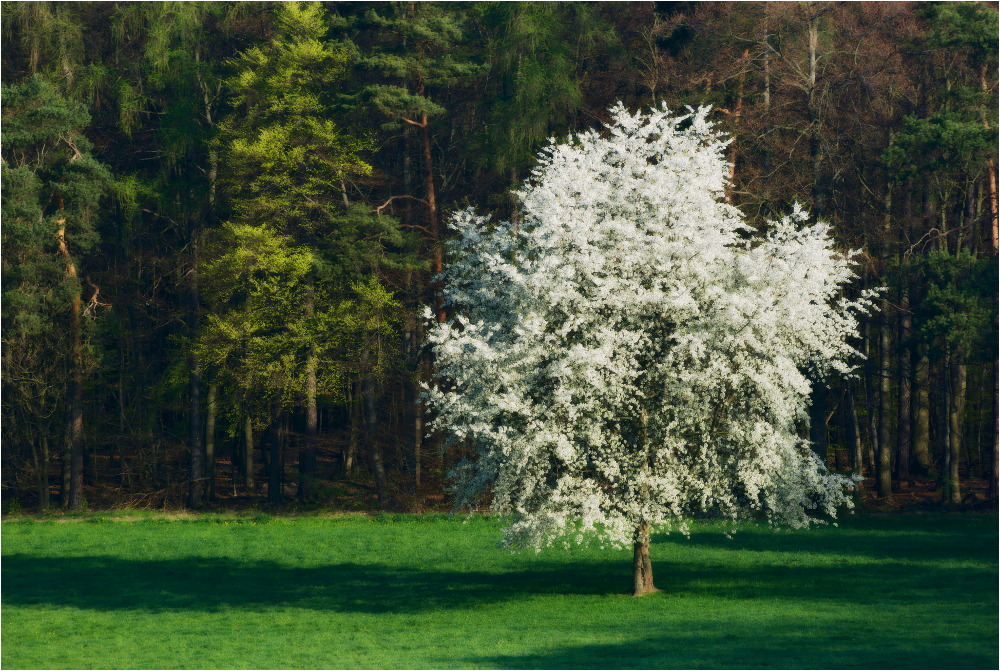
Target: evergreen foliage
<point>296,266</point>
<point>270,216</point>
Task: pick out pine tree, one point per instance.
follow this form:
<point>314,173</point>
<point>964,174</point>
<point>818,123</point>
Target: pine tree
<point>52,188</point>
<point>293,267</point>
<point>417,50</point>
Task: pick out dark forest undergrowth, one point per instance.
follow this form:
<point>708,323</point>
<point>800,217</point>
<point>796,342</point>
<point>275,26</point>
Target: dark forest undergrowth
<point>393,591</point>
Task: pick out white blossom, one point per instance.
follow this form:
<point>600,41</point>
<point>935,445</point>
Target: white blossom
<point>633,352</point>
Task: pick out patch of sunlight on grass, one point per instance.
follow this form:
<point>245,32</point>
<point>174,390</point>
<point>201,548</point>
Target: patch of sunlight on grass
<point>915,591</point>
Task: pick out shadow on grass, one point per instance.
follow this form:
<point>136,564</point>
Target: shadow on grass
<point>209,584</point>
<point>912,537</point>
<point>843,644</point>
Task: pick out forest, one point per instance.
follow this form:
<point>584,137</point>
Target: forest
<point>224,225</point>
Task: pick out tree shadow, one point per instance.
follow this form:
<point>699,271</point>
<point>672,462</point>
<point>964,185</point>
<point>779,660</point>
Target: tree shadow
<point>879,537</point>
<point>109,583</point>
<point>843,644</point>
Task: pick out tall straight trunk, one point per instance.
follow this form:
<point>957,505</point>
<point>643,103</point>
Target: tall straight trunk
<point>642,567</point>
<point>992,492</point>
<point>956,416</point>
<point>411,387</point>
<point>433,220</point>
<point>404,147</point>
<point>922,412</point>
<point>307,454</point>
<point>275,463</point>
<point>871,403</point>
<point>66,451</point>
<point>197,437</point>
<point>945,438</point>
<point>353,412</point>
<point>737,113</point>
<point>248,479</point>
<point>904,371</point>
<point>854,434</point>
<point>418,430</point>
<point>42,468</point>
<point>369,392</point>
<point>75,395</point>
<point>210,413</point>
<point>883,463</point>
<point>991,170</point>
<point>815,138</point>
<point>994,220</point>
<point>195,433</point>
<point>767,74</point>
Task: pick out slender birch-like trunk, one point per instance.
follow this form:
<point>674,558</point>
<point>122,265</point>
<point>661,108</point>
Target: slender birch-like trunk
<point>210,413</point>
<point>922,412</point>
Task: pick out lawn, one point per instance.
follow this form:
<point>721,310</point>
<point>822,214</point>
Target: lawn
<point>899,591</point>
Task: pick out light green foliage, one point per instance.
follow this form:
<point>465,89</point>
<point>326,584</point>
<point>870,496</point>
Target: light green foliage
<point>285,157</point>
<point>429,592</point>
<point>294,268</point>
<point>254,338</point>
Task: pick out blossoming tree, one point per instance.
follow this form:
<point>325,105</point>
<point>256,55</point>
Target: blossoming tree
<point>632,353</point>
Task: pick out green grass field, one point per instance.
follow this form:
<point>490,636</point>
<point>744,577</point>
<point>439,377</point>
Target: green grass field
<point>905,591</point>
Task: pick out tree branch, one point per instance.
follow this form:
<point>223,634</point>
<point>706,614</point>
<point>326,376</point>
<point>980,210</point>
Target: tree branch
<point>378,210</point>
<point>419,228</point>
<point>418,124</point>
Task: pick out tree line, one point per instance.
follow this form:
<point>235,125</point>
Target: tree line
<point>222,222</point>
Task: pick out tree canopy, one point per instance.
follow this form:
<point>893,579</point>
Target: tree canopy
<point>633,353</point>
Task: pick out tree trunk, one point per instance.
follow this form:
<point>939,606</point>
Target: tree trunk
<point>854,434</point>
<point>432,212</point>
<point>870,424</point>
<point>67,451</point>
<point>75,395</point>
<point>883,464</point>
<point>737,113</point>
<point>956,415</point>
<point>210,412</point>
<point>815,137</point>
<point>991,171</point>
<point>275,464</point>
<point>197,455</point>
<point>43,472</point>
<point>903,430</point>
<point>994,220</point>
<point>642,568</point>
<point>307,454</point>
<point>418,437</point>
<point>371,425</point>
<point>995,430</point>
<point>411,390</point>
<point>922,412</point>
<point>248,479</point>
<point>353,412</point>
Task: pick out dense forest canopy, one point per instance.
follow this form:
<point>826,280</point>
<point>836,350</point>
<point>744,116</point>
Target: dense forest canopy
<point>222,222</point>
